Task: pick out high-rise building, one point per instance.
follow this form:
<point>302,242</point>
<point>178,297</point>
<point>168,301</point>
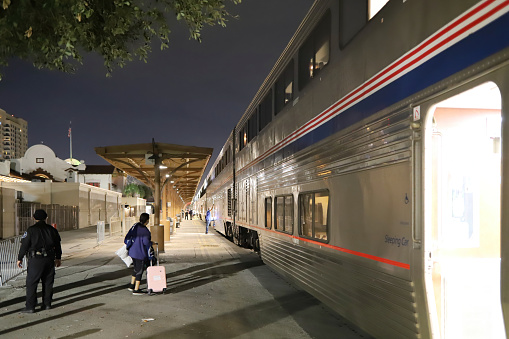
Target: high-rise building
<point>14,134</point>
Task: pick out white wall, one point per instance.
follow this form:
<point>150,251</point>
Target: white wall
<point>104,180</point>
<point>41,156</point>
<point>94,203</point>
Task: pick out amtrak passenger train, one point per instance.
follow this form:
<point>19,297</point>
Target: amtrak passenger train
<point>368,168</point>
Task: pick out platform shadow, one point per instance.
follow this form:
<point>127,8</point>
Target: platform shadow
<point>55,317</point>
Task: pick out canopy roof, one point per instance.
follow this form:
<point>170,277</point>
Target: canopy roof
<point>181,166</point>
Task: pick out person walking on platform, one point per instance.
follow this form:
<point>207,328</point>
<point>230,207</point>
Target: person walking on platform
<point>187,214</point>
<point>207,221</point>
<point>41,244</point>
<point>139,252</point>
<point>190,214</point>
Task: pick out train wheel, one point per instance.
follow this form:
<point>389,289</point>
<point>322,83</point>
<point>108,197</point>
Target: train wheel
<point>229,232</point>
<point>236,235</point>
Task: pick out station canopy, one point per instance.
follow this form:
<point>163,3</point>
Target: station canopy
<point>179,166</point>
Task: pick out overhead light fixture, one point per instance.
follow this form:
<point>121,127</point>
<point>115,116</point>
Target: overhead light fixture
<point>167,175</point>
<point>163,167</point>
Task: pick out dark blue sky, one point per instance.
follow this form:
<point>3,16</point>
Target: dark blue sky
<point>190,94</point>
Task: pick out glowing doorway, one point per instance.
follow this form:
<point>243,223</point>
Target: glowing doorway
<point>463,163</point>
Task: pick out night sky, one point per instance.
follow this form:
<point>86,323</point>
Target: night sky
<point>189,94</point>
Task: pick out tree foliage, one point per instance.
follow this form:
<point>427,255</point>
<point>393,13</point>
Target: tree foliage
<point>136,190</point>
<point>54,34</point>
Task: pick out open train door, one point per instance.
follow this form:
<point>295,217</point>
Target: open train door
<point>462,215</point>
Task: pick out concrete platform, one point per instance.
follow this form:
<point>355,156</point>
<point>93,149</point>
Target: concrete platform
<point>215,290</point>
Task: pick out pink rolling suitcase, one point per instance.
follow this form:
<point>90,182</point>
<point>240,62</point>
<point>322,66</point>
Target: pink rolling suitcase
<point>156,276</point>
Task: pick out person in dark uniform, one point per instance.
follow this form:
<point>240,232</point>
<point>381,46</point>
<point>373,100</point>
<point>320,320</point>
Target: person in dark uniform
<point>41,244</point>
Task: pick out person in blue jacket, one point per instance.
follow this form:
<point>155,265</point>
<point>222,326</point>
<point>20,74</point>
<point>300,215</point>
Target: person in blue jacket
<point>208,217</point>
<point>139,252</point>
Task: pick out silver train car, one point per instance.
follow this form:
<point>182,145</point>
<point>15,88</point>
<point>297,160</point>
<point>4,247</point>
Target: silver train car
<point>368,168</point>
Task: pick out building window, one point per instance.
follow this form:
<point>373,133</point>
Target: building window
<point>314,53</point>
<point>314,215</point>
<point>268,212</point>
<point>353,15</point>
<point>265,111</point>
<point>284,214</point>
<point>284,88</point>
<point>39,160</point>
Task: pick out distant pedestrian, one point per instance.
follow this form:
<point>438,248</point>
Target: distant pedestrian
<point>41,244</point>
<point>139,252</point>
<point>187,214</point>
<point>190,214</point>
<point>208,217</point>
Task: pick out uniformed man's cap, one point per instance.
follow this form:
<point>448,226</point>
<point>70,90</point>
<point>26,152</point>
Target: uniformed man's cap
<point>40,215</point>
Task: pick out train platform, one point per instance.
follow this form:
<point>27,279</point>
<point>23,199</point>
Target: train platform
<point>215,290</point>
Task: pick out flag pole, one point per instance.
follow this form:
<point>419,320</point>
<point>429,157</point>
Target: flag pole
<point>70,141</point>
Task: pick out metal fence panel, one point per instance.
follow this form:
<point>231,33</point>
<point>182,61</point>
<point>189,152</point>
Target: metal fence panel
<point>64,217</point>
<point>8,259</point>
<point>100,231</point>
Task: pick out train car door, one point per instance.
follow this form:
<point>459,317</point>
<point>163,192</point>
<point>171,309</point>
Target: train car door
<point>253,210</point>
<point>462,215</point>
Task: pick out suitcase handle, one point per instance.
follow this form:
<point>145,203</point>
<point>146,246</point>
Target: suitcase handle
<point>157,253</point>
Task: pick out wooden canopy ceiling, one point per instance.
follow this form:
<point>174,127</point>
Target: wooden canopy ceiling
<point>180,166</point>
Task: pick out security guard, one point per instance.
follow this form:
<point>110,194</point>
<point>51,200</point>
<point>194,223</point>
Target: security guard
<point>41,244</point>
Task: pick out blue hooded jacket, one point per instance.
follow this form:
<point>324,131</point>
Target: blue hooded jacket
<point>139,249</point>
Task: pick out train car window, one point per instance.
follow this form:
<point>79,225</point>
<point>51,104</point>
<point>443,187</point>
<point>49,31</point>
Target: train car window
<point>279,204</point>
<point>283,221</point>
<point>265,111</point>
<point>284,88</point>
<point>242,137</point>
<point>375,6</point>
<point>252,126</point>
<point>353,16</point>
<point>268,212</point>
<point>314,52</point>
<point>313,215</point>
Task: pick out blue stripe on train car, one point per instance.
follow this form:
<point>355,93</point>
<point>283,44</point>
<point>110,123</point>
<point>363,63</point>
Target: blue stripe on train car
<point>481,44</point>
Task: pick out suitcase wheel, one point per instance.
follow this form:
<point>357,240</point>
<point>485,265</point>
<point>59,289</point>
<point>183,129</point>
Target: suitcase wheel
<point>149,291</point>
<point>164,290</point>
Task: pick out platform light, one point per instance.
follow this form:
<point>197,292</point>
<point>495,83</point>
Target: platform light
<point>163,167</point>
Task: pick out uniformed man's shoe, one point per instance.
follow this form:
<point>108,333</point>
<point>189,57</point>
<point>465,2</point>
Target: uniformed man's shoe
<point>131,287</point>
<point>28,310</point>
<point>46,307</point>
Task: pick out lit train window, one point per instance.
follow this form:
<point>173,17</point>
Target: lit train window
<point>375,6</point>
<point>284,88</point>
<point>314,215</point>
<point>314,53</point>
<point>353,16</point>
<point>283,221</point>
<point>268,212</point>
<point>242,137</point>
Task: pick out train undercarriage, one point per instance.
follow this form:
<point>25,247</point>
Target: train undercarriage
<point>242,236</point>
